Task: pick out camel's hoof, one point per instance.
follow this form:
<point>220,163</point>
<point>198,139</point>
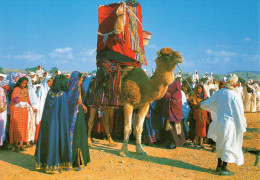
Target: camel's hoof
<point>122,154</point>
<point>113,144</point>
<point>89,143</point>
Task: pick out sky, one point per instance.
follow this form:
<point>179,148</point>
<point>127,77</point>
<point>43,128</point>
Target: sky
<point>217,36</point>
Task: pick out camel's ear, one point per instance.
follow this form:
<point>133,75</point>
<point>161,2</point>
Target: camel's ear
<point>158,53</point>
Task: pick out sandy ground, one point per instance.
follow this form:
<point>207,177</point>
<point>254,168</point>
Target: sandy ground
<point>160,163</point>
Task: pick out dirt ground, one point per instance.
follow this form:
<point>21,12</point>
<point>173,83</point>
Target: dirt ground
<point>182,163</point>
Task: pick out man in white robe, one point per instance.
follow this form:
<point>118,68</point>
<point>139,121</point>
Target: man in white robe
<point>231,124</point>
<point>39,72</point>
<point>195,78</point>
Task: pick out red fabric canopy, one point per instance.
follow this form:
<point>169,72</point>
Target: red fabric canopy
<point>120,43</point>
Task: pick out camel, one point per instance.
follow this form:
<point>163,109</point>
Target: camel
<point>138,91</point>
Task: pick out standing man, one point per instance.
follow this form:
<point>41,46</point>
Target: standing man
<point>231,124</point>
<point>195,77</point>
<point>39,72</point>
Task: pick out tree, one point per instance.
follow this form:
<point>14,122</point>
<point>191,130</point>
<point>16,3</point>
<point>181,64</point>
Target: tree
<point>216,76</point>
<point>53,70</point>
<point>1,70</point>
<point>33,69</point>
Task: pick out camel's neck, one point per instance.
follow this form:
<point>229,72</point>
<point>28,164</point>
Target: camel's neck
<point>162,78</point>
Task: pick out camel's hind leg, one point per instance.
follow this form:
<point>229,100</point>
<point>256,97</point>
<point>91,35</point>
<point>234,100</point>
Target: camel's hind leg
<point>128,111</point>
<point>138,128</point>
<point>108,113</point>
<point>91,123</point>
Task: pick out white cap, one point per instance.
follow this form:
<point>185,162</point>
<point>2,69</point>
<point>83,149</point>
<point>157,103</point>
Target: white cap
<point>31,73</point>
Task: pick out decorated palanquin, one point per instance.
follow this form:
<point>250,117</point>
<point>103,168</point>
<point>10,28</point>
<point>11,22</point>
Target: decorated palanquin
<point>120,44</point>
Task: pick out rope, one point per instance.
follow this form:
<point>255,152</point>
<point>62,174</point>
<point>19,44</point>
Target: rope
<point>105,36</point>
<point>133,14</point>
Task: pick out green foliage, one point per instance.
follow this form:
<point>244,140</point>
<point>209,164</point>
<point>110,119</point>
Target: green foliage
<point>53,70</point>
<point>31,69</point>
<point>216,76</point>
<point>1,70</point>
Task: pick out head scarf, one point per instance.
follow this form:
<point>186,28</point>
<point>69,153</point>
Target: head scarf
<point>42,94</point>
<point>202,95</point>
<point>86,82</point>
<point>32,94</point>
<point>10,79</point>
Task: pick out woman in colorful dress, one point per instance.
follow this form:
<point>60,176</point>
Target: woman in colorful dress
<point>53,151</point>
<point>199,115</point>
<point>20,106</point>
<point>78,131</point>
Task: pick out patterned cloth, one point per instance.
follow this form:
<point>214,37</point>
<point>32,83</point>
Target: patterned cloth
<point>73,96</point>
<point>19,117</point>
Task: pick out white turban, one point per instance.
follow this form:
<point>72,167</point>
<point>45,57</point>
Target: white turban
<point>232,79</point>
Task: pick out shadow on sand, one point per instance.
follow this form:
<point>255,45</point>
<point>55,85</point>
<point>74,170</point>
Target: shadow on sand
<point>19,159</point>
<point>158,160</point>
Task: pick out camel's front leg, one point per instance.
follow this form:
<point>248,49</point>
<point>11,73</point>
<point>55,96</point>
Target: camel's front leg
<point>91,123</point>
<point>107,115</point>
<point>128,111</point>
<point>138,128</point>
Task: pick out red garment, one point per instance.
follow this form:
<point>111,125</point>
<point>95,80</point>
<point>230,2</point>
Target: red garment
<point>199,115</point>
<point>37,131</point>
<point>173,100</point>
<point>201,122</point>
<point>19,117</point>
<point>120,43</point>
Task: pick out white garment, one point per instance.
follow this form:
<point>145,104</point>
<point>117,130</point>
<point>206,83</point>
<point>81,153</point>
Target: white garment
<point>32,115</point>
<point>258,99</point>
<point>195,78</point>
<point>253,101</point>
<point>39,72</point>
<point>42,94</point>
<point>246,99</point>
<point>207,88</point>
<point>231,124</point>
<point>3,116</point>
<point>240,91</point>
<point>212,132</point>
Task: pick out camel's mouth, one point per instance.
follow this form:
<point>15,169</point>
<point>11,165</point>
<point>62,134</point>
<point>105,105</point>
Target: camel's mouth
<point>178,60</point>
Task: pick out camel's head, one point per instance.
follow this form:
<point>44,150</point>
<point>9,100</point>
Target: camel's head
<point>168,58</point>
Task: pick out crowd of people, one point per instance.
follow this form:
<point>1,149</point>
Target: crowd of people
<point>51,111</point>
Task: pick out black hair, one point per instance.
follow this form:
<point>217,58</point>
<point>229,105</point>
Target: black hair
<point>60,83</point>
<point>81,88</point>
<point>20,80</point>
